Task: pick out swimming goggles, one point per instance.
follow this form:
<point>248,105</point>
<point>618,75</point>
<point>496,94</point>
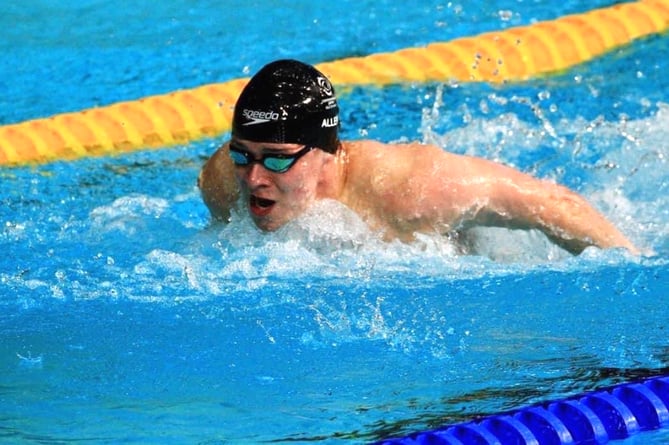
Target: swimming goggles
<point>274,162</point>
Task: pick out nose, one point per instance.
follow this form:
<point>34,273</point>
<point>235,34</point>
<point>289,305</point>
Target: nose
<point>254,174</point>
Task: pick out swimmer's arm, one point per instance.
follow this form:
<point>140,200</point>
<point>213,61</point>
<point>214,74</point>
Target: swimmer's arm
<point>522,201</point>
<point>482,192</point>
<point>218,185</point>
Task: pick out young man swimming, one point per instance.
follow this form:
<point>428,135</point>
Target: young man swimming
<point>285,154</point>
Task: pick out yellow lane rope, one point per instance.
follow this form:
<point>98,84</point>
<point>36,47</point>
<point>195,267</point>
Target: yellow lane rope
<point>182,116</point>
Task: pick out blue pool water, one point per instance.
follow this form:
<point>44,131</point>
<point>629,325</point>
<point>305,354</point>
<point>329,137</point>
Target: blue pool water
<point>127,317</point>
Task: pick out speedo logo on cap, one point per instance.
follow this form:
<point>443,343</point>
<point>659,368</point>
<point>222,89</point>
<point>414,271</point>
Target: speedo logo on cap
<point>259,117</point>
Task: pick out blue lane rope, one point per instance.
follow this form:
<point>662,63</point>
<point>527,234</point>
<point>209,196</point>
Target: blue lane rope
<point>591,418</point>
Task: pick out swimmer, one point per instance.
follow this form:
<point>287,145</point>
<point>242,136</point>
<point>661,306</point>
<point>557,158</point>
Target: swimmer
<point>285,154</point>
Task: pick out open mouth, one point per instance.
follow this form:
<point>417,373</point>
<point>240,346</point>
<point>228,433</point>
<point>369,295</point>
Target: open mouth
<point>260,206</point>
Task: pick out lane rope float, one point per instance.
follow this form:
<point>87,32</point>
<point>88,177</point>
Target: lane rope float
<point>514,54</point>
<point>592,418</point>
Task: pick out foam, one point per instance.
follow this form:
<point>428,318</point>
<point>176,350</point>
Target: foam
<point>126,213</point>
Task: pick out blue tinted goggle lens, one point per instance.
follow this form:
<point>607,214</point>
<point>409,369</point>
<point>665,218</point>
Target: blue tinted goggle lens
<point>278,163</point>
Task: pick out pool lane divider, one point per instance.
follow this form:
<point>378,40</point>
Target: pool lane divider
<point>514,54</point>
<point>592,418</point>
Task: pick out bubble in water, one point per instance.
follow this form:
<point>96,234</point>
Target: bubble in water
<point>505,15</point>
<point>29,361</point>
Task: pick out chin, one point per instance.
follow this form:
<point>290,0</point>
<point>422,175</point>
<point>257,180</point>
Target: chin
<point>267,226</point>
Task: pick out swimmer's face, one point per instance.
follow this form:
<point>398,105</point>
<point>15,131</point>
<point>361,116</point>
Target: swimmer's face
<point>275,198</point>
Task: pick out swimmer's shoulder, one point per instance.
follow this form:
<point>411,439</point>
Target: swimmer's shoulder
<point>369,148</point>
<point>375,145</point>
<point>217,183</point>
<point>370,155</point>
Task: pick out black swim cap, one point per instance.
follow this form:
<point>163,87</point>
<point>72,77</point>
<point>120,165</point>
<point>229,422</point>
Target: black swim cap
<point>288,102</point>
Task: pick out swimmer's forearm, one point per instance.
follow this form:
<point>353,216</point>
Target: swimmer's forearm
<point>604,235</point>
<point>518,200</point>
<point>574,224</point>
<point>578,240</point>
